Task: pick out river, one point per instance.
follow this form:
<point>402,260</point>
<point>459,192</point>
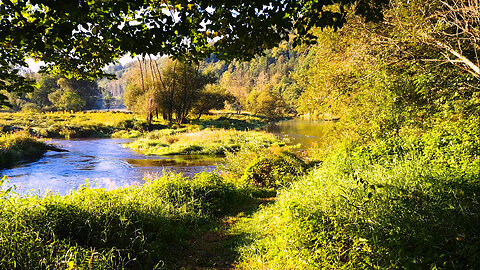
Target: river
<point>305,133</point>
<point>106,164</point>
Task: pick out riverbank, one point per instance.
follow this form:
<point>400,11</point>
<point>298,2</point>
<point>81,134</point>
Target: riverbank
<point>203,142</point>
<point>115,124</point>
<point>21,146</point>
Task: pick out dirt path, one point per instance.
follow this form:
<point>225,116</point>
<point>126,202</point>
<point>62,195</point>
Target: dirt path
<point>218,248</point>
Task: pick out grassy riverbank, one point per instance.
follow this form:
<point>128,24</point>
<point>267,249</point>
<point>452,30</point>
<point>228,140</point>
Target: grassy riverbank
<point>19,146</point>
<point>114,124</point>
<point>409,203</point>
<point>204,142</point>
<point>145,227</point>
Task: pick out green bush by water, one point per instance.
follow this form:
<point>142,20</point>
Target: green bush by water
<point>15,147</point>
<point>274,170</point>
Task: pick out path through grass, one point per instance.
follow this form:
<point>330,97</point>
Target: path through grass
<point>218,248</point>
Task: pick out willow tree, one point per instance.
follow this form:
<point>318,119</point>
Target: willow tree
<point>173,89</point>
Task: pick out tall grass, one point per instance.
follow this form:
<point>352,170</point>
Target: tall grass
<point>144,227</point>
<point>18,146</point>
<point>407,203</point>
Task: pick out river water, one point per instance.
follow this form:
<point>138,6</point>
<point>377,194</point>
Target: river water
<point>305,133</point>
<point>106,164</point>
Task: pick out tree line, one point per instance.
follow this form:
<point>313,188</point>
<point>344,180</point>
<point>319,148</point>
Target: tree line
<point>56,92</point>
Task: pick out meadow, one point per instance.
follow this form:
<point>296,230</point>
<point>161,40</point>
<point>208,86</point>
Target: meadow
<point>65,124</point>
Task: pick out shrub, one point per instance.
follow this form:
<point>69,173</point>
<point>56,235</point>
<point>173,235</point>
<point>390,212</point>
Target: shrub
<point>274,170</point>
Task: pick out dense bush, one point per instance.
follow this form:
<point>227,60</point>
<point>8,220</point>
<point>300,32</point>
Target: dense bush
<point>410,203</point>
<point>274,170</point>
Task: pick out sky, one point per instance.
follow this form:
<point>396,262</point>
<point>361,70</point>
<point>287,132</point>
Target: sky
<point>35,66</point>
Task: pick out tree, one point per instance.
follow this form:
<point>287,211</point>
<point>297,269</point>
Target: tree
<point>79,38</point>
<point>46,85</point>
<point>267,103</point>
<point>441,31</point>
<point>453,27</point>
<point>173,90</point>
<point>66,99</point>
<point>212,97</point>
<point>107,99</point>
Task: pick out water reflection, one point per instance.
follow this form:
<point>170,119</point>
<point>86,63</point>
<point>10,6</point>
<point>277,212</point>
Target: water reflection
<point>298,131</point>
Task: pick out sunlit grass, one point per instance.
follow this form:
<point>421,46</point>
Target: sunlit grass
<point>71,124</point>
<point>138,227</point>
<point>204,142</point>
<point>408,203</point>
<point>18,146</point>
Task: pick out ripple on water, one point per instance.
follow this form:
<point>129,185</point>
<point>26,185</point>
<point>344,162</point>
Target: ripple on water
<point>103,161</point>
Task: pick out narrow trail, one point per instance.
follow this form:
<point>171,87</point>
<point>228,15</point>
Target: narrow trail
<point>218,248</point>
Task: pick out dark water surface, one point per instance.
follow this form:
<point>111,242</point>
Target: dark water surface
<point>104,162</point>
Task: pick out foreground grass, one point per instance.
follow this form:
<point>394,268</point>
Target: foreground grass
<point>20,146</point>
<point>408,203</point>
<point>204,142</point>
<point>152,226</point>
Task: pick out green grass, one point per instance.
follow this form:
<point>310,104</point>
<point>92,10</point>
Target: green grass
<point>19,146</point>
<point>145,227</point>
<point>203,142</point>
<point>72,125</point>
<point>114,124</point>
<point>407,203</point>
